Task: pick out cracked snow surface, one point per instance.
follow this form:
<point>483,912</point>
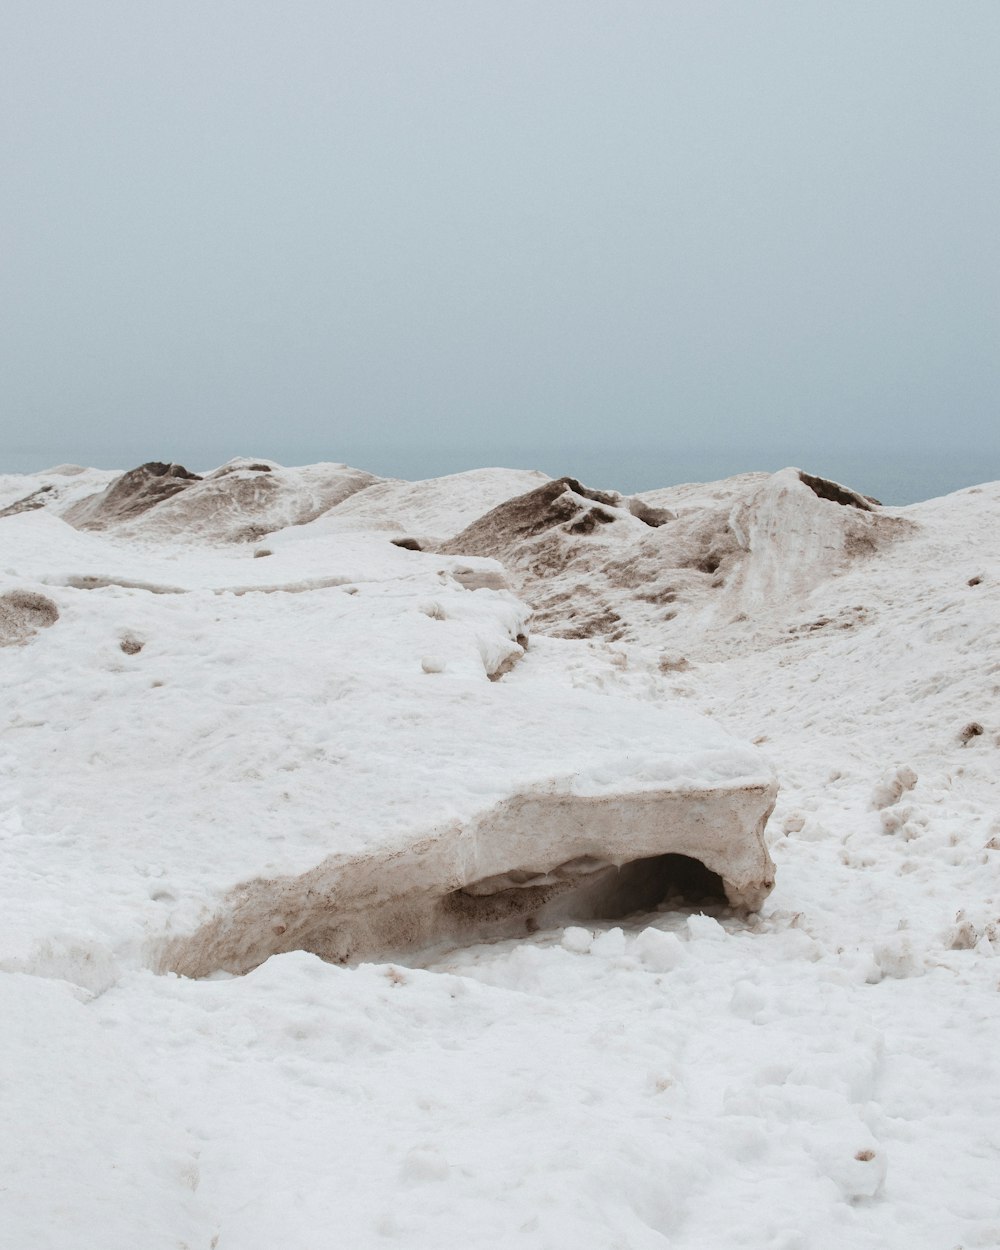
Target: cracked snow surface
<point>430,898</point>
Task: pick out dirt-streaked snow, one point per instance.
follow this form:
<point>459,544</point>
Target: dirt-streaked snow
<point>825,1073</point>
<point>435,509</point>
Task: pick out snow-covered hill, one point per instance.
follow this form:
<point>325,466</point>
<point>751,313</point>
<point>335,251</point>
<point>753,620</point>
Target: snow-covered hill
<point>724,571</point>
<point>241,719</point>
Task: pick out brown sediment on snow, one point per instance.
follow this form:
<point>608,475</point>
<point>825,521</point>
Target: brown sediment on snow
<point>23,613</point>
<point>535,860</point>
<point>563,503</point>
<point>29,503</point>
<point>750,553</point>
<point>823,488</point>
<point>130,495</point>
<point>239,502</point>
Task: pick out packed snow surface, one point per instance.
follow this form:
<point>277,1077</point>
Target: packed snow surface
<point>197,711</point>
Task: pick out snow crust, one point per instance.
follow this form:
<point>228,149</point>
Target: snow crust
<point>825,1073</point>
<point>437,508</point>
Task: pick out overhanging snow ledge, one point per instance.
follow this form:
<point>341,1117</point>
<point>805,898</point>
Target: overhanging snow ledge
<point>531,862</point>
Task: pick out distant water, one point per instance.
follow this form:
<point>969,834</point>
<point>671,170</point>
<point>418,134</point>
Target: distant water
<point>890,477</point>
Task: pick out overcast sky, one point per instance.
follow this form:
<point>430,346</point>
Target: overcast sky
<point>422,235</point>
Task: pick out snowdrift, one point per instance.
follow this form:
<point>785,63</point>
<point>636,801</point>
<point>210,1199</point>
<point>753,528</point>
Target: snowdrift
<point>239,502</point>
<point>312,750</point>
<point>727,568</point>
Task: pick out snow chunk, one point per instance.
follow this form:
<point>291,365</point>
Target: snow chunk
<point>895,956</point>
<point>852,1160</point>
<point>705,927</point>
<point>577,940</point>
<point>659,951</point>
<point>893,786</point>
<point>610,944</point>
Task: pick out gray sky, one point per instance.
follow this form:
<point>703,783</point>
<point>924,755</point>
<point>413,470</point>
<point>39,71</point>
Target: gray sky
<point>419,236</point>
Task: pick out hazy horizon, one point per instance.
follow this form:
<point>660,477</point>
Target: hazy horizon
<point>888,476</point>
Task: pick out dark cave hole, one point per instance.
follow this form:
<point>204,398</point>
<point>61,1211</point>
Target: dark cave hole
<point>606,893</point>
<point>645,884</point>
<point>420,926</point>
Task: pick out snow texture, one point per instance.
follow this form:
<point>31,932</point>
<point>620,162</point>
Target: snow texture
<point>209,746</point>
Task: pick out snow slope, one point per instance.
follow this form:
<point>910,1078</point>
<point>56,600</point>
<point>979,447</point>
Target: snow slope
<point>241,747</point>
<point>823,1074</point>
<point>434,509</point>
<point>720,573</point>
<point>57,488</point>
<point>239,502</point>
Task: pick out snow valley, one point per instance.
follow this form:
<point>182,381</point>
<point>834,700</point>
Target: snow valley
<point>496,860</point>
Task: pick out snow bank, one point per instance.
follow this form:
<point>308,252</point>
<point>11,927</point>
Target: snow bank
<point>239,502</point>
<point>223,756</point>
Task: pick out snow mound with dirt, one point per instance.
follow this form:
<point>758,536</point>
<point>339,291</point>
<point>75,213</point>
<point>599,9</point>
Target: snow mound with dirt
<point>58,488</point>
<point>239,502</point>
<point>432,510</point>
<point>726,570</point>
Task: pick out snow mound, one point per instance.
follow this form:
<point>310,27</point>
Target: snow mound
<point>435,509</point>
<point>238,502</point>
<point>131,495</point>
<point>750,551</point>
<point>37,498</point>
<point>287,759</point>
<point>563,504</point>
<point>543,532</point>
<point>66,470</point>
<point>534,861</point>
<point>55,489</point>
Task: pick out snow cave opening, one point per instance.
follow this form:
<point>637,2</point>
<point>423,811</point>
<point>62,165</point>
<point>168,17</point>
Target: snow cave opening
<point>410,925</point>
<point>584,890</point>
<point>645,884</point>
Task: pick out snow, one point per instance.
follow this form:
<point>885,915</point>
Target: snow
<point>238,502</point>
<point>89,1155</point>
<point>56,488</point>
<point>209,755</point>
<point>436,508</point>
<point>727,573</point>
<point>824,1073</point>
